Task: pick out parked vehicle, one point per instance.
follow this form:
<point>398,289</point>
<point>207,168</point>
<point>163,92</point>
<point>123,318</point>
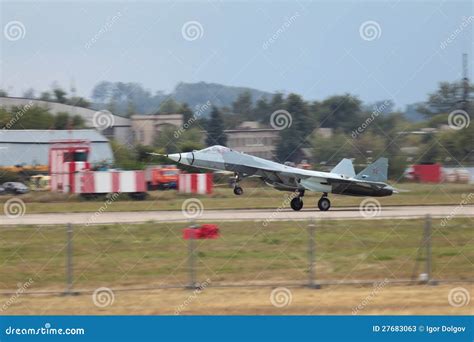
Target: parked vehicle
<point>40,183</point>
<point>15,188</point>
<point>2,190</point>
<point>162,177</point>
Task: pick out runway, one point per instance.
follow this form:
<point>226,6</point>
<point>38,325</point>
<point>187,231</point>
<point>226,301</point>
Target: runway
<point>390,212</point>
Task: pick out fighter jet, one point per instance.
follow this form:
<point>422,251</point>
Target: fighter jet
<point>342,179</point>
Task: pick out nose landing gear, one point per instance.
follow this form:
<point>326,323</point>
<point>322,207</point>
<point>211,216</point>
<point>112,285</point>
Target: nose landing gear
<point>237,189</point>
<point>324,203</point>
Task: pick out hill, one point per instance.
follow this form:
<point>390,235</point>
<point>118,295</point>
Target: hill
<point>119,97</point>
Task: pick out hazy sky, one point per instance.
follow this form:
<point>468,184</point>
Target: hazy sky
<point>376,50</point>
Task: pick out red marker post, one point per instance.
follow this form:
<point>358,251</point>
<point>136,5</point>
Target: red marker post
<point>194,232</point>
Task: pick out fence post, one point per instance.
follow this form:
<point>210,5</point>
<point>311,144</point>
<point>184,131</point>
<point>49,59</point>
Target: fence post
<point>69,261</point>
<point>428,246</point>
<point>312,256</point>
<point>428,234</point>
<point>191,261</point>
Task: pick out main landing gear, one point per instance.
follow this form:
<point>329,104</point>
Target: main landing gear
<point>297,202</point>
<point>324,203</point>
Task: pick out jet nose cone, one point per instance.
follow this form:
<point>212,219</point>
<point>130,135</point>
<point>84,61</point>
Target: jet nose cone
<point>175,156</point>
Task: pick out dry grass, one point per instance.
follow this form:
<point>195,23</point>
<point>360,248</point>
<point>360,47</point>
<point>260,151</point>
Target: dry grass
<point>332,300</point>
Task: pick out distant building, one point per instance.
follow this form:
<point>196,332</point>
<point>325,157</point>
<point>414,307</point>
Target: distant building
<point>147,127</point>
<point>324,132</point>
<point>251,138</point>
<point>29,147</point>
<point>120,129</point>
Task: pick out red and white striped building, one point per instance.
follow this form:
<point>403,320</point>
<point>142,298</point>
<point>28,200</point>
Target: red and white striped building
<point>195,183</point>
<point>70,172</point>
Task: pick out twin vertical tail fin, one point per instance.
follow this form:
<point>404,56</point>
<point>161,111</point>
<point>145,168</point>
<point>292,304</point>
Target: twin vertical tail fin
<point>345,168</point>
<point>375,172</point>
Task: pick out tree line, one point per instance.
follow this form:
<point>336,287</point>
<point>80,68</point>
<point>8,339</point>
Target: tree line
<point>360,131</point>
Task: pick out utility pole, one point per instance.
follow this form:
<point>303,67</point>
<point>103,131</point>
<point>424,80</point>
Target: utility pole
<point>465,82</point>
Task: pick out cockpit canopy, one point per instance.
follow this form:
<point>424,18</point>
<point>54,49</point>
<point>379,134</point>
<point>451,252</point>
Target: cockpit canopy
<point>215,149</point>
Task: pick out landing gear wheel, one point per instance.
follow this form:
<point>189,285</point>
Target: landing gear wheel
<point>296,204</point>
<point>238,191</point>
<point>324,204</point>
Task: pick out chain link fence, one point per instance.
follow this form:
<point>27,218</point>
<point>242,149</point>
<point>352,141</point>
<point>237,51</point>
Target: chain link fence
<point>69,259</point>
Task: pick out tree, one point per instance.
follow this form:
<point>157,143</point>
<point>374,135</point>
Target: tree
<point>447,98</point>
<point>215,129</point>
<point>78,122</point>
<point>332,149</point>
<point>26,118</point>
<point>295,130</point>
<point>243,105</point>
<point>45,96</point>
<point>102,92</point>
<point>277,103</point>
<point>186,112</point>
<point>169,106</point>
<point>29,94</point>
<point>60,95</point>
<point>3,93</point>
<point>130,108</point>
<point>261,110</point>
<point>125,157</point>
<point>341,112</point>
<point>78,101</point>
<point>62,121</point>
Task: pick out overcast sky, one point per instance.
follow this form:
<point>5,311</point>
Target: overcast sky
<point>377,50</point>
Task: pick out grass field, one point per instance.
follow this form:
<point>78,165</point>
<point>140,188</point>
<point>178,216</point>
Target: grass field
<point>332,300</point>
<point>253,197</point>
<point>246,252</point>
<point>125,257</point>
